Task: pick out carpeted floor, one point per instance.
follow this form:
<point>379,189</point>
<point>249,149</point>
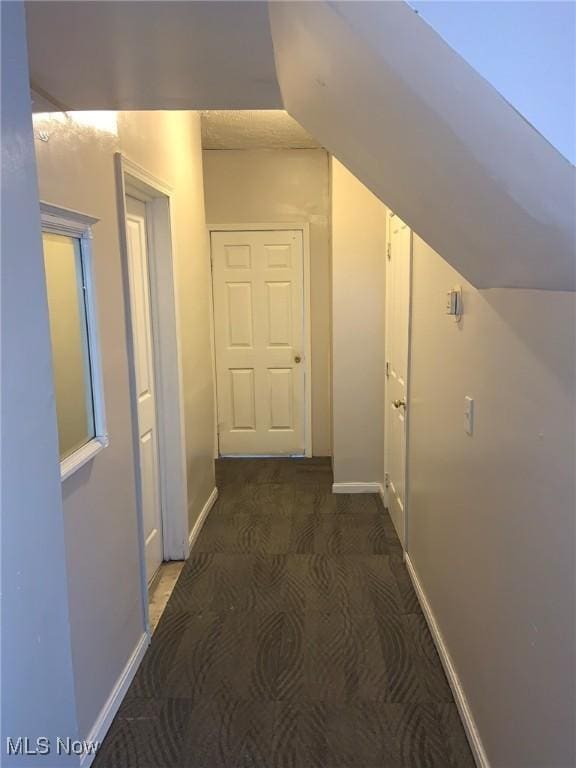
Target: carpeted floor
<point>293,639</point>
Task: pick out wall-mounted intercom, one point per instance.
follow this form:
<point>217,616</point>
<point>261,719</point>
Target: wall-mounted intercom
<point>454,305</point>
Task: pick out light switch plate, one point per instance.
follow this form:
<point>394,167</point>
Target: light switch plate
<point>469,415</point>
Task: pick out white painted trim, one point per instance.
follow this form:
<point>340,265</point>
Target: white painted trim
<point>385,499</point>
<point>299,226</point>
<point>459,696</point>
<point>385,391</point>
<point>257,226</point>
<point>131,178</point>
<point>357,488</point>
<point>409,401</point>
<point>307,341</point>
<point>197,527</point>
<point>110,708</point>
<point>383,495</point>
<point>150,186</point>
<point>63,221</point>
<point>157,195</point>
<point>82,456</point>
<point>216,444</point>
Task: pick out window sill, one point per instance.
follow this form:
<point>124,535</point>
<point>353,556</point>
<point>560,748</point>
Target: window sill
<point>82,456</point>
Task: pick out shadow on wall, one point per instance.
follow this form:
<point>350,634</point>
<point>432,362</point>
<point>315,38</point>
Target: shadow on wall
<point>492,514</point>
<point>551,336</point>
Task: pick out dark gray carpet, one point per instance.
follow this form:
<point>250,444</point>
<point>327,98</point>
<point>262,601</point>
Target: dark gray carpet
<point>293,639</point>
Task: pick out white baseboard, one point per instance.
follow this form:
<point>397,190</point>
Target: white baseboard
<point>108,711</point>
<point>453,679</point>
<point>201,518</point>
<point>356,488</point>
<point>383,495</point>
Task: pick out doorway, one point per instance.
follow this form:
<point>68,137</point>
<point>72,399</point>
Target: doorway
<point>260,285</point>
<point>138,225</point>
<point>398,297</point>
<point>155,368</point>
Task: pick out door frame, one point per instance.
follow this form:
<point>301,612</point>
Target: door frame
<point>133,180</point>
<point>304,228</point>
<point>391,215</point>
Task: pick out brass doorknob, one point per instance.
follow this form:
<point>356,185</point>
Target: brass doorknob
<point>297,359</point>
<point>399,403</point>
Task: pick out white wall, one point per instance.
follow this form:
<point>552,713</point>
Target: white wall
<point>76,170</point>
<point>377,87</point>
<point>491,517</point>
<point>526,50</point>
<point>292,185</point>
<point>192,55</point>
<point>358,290</point>
<point>37,693</point>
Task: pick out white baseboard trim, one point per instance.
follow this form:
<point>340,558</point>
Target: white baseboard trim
<point>201,518</point>
<point>453,679</point>
<point>383,495</point>
<point>356,488</point>
<point>108,711</point>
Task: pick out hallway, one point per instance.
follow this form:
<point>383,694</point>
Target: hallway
<point>293,638</point>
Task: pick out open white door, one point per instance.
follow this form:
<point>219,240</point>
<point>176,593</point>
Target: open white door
<point>136,235</point>
<point>258,283</point>
<point>398,282</point>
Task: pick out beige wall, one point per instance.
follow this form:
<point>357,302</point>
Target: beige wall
<point>358,285</point>
<point>247,186</point>
<point>76,170</point>
<point>168,145</point>
<point>491,517</point>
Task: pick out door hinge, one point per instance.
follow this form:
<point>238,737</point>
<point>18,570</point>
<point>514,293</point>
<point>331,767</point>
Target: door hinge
<point>386,480</point>
<point>387,369</point>
<point>389,251</point>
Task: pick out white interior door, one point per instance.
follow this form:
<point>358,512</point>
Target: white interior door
<point>398,268</point>
<point>258,283</point>
<point>145,379</point>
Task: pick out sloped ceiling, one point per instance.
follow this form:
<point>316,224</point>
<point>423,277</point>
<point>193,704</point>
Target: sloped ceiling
<point>527,50</point>
<point>370,81</point>
<point>430,137</point>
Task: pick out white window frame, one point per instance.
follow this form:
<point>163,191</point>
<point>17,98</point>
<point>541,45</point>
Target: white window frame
<point>61,221</point>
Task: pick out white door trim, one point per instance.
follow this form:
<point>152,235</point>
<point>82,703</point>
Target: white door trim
<point>303,227</point>
<point>136,181</point>
<point>408,400</point>
<point>385,495</point>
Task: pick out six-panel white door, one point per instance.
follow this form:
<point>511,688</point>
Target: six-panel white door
<point>259,338</point>
<point>398,268</point>
<point>144,374</point>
